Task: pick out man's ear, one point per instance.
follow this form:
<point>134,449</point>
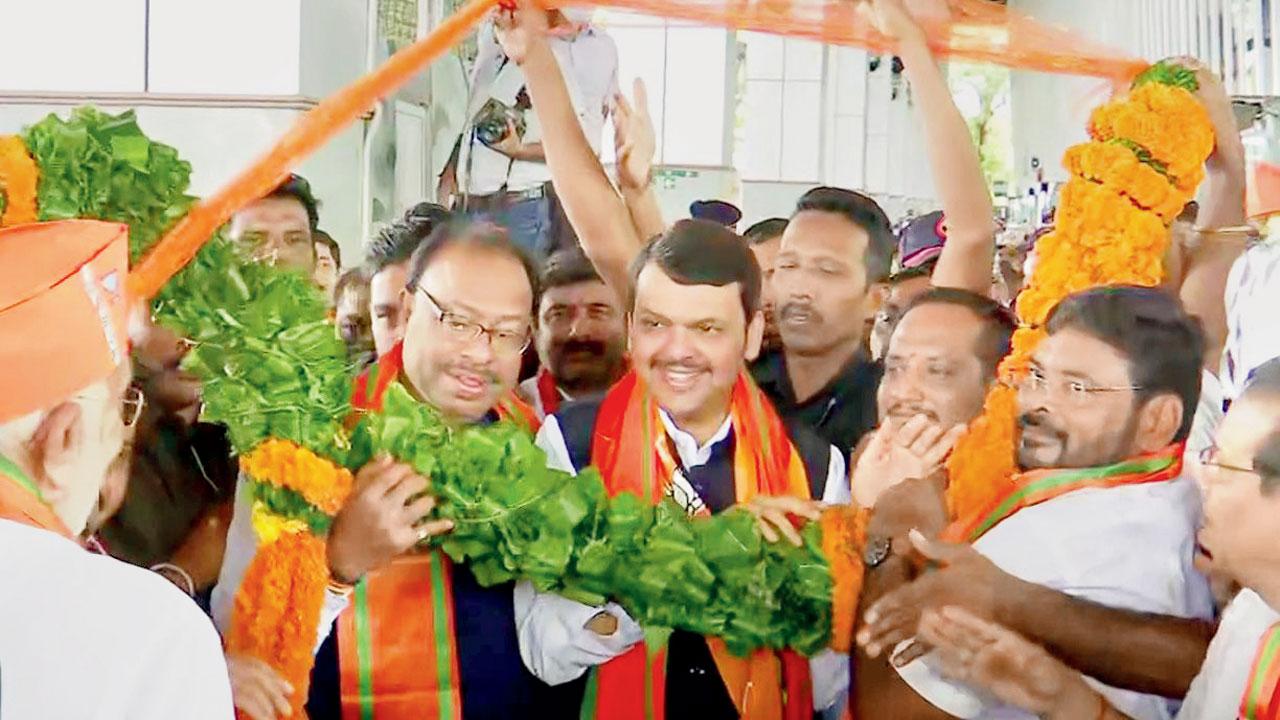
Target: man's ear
<point>55,442</point>
<point>1159,420</point>
<point>877,294</point>
<point>755,337</point>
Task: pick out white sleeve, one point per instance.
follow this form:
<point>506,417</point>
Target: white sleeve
<point>181,671</point>
<point>555,643</point>
<point>837,491</point>
<point>830,672</point>
<point>242,545</point>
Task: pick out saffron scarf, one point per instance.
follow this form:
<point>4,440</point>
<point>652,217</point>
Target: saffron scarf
<point>1037,486</point>
<point>548,393</point>
<point>629,447</point>
<point>397,651</point>
<point>21,501</point>
<point>1261,699</point>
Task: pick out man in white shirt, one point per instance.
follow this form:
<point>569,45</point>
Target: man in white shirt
<point>579,331</point>
<point>1239,479</point>
<point>81,635</point>
<point>1107,404</point>
<point>498,167</point>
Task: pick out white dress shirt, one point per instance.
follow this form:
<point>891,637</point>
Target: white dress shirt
<point>529,391</point>
<point>1217,690</point>
<point>1129,547</point>
<point>554,642</point>
<point>589,62</point>
<point>1252,297</point>
<point>1209,414</point>
<point>87,637</point>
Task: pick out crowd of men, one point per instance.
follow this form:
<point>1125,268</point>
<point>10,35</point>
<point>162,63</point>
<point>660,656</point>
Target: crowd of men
<point>1124,583</point>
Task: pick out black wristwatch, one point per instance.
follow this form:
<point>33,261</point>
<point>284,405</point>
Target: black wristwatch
<point>877,550</point>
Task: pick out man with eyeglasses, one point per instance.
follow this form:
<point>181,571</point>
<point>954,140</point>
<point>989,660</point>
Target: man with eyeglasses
<point>1240,675</point>
<point>65,419</point>
<point>1097,532</point>
<point>580,334</point>
<point>469,297</point>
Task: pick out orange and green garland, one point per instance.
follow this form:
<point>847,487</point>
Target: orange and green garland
<point>1143,164</point>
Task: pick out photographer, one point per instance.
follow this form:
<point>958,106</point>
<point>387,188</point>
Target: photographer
<point>497,169</point>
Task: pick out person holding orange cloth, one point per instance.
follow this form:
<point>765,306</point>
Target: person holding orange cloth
<point>64,417</point>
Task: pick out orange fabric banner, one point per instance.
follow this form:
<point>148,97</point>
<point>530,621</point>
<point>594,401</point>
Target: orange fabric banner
<point>978,30</point>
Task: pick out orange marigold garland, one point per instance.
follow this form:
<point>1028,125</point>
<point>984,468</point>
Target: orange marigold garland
<point>843,535</point>
<point>1111,229</point>
<point>19,178</point>
<point>277,607</point>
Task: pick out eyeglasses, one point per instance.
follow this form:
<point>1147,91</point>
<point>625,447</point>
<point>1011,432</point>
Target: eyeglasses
<point>1209,458</point>
<point>131,409</point>
<point>464,330</point>
<point>1076,392</point>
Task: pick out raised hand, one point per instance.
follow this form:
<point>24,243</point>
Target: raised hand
<point>520,29</point>
<point>899,452</point>
<point>898,19</point>
<point>635,142</point>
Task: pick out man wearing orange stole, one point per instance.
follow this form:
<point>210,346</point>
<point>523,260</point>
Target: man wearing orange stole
<point>686,423</point>
<point>65,614</point>
<point>405,634</point>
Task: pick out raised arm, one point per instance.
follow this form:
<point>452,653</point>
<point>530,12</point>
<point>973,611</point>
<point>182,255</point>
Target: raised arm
<point>969,253</point>
<point>1221,235</point>
<point>636,143</point>
<point>590,201</point>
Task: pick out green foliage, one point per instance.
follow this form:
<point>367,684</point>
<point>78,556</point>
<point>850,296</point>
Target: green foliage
<point>517,519</point>
<point>101,166</point>
<point>1167,72</point>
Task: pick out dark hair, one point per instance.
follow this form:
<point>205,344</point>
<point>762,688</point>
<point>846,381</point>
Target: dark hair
<point>474,234</point>
<point>320,237</point>
<point>701,252</point>
<point>1163,344</point>
<point>569,266</point>
<point>765,230</point>
<point>863,212</point>
<point>1265,380</point>
<point>395,243</point>
<point>924,270</point>
<point>998,323</point>
<point>353,278</point>
<point>299,189</point>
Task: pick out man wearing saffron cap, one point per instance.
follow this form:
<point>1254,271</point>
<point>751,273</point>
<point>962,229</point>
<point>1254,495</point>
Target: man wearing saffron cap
<point>62,427</point>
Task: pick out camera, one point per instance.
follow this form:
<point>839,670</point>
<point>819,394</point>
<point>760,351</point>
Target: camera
<point>494,121</point>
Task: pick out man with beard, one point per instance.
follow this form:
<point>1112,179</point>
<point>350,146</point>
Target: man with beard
<point>1099,515</point>
<point>765,238</point>
<point>470,297</point>
<point>580,334</point>
<point>81,635</point>
<point>1238,478</point>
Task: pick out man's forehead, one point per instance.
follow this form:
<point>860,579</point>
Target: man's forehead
<point>479,281</point>
<point>588,292</point>
<point>935,327</point>
<point>273,210</point>
<point>819,230</point>
<point>658,293</point>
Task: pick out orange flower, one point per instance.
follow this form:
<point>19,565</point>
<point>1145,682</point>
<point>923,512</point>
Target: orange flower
<point>19,178</point>
<point>844,533</point>
<point>278,607</point>
<point>1111,228</point>
<point>285,464</point>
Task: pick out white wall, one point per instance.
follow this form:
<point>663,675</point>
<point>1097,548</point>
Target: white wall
<point>229,47</point>
<point>72,45</point>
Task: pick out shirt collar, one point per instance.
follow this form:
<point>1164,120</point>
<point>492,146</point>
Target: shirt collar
<point>771,373</point>
<point>691,453</point>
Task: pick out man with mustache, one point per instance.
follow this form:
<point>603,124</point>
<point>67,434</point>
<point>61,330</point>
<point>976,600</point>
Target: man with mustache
<point>470,296</point>
<point>1238,478</point>
<point>836,252</point>
<point>689,417</point>
<point>1099,516</point>
<point>580,334</point>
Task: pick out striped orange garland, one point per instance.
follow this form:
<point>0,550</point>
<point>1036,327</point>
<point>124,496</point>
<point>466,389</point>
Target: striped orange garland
<point>19,178</point>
